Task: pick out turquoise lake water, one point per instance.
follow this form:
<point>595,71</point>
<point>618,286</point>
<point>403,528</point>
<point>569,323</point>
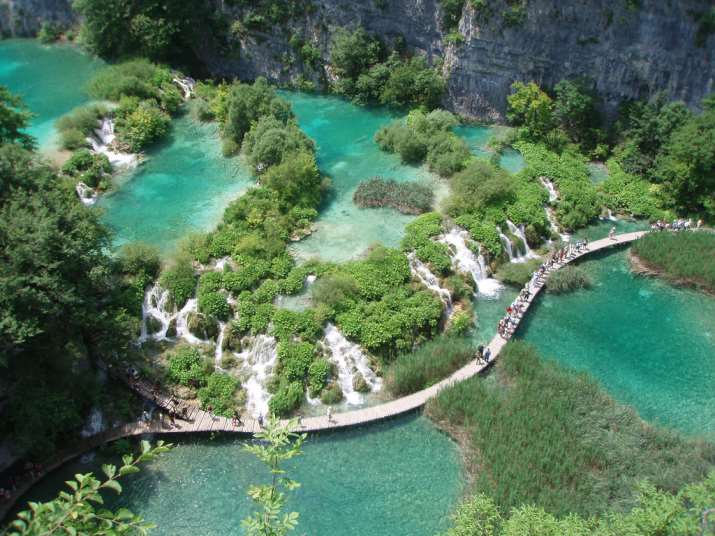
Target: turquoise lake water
<point>399,478</point>
<point>50,79</point>
<point>651,345</point>
<point>184,186</point>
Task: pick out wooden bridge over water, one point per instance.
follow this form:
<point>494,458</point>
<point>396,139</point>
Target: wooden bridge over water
<point>198,421</point>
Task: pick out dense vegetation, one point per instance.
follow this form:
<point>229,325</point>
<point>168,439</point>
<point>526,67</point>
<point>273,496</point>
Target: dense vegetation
<point>685,258</point>
<point>366,72</point>
<point>65,303</point>
<point>406,197</point>
<point>568,279</point>
<point>585,453</point>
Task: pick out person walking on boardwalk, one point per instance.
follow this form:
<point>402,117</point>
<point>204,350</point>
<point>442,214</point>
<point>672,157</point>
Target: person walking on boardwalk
<point>329,413</point>
<point>612,233</point>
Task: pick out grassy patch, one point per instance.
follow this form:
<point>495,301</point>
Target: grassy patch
<point>568,279</point>
<point>547,436</point>
<point>685,258</point>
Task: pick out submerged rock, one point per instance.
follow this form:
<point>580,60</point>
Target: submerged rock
<point>332,394</point>
<point>359,383</point>
<point>202,326</point>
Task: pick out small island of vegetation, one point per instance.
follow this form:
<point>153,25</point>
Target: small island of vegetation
<point>406,197</point>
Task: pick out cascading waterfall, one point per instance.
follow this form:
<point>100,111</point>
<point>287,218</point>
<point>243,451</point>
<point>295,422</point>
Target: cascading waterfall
<point>154,307</point>
<point>349,358</point>
<point>549,185</point>
<point>259,360</point>
<point>218,352</point>
<point>102,142</point>
<point>94,424</point>
<point>186,85</point>
<point>515,256</point>
<point>519,233</point>
<point>565,237</point>
<point>506,243</point>
<point>428,279</point>
<point>464,260</point>
<point>87,194</point>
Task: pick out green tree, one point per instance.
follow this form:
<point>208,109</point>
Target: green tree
<point>77,511</point>
<point>14,117</point>
<point>575,110</point>
<point>296,181</point>
<point>276,445</point>
<point>531,108</point>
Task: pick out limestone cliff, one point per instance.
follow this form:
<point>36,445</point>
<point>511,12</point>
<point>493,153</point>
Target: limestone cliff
<point>24,17</point>
<point>627,48</point>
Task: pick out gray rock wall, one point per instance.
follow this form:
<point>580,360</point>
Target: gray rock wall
<point>625,53</point>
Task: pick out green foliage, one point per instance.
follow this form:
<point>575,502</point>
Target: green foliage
<point>296,181</point>
<point>406,197</point>
<point>419,231</point>
<point>14,118</point>
<point>275,445</point>
<point>426,137</point>
<point>630,194</point>
<point>568,279</point>
<point>186,367</point>
<point>133,78</point>
<point>49,32</point>
<point>287,399</point>
<point>517,274</point>
<point>88,167</point>
<point>551,438</point>
<point>77,125</point>
<point>332,394</point>
<point>366,75</point>
<point>218,394</point>
<point>318,375</point>
<point>214,304</point>
<point>655,512</point>
<point>295,359</point>
<point>179,280</point>
<point>288,325</point>
<point>436,255</point>
<point>483,232</point>
<point>269,140</point>
<point>430,363</point>
<point>479,187</point>
<point>451,13</point>
<point>140,258</point>
<point>530,108</point>
<point>145,125</point>
<point>76,511</point>
<point>680,257</point>
<point>460,323</point>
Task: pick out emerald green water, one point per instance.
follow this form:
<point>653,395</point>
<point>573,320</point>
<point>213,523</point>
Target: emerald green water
<point>50,79</point>
<point>184,186</point>
<point>477,137</point>
<point>651,345</point>
<point>396,478</point>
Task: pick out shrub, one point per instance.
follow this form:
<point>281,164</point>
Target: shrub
<point>430,363</point>
<point>210,282</point>
<point>186,367</point>
<point>88,167</point>
<point>269,140</point>
<point>79,124</point>
<point>143,126</point>
<point>568,279</point>
<point>286,399</point>
<point>318,374</point>
<point>332,394</point>
<point>180,281</point>
<point>406,197</point>
<point>419,231</point>
<point>49,32</point>
<point>295,359</point>
<point>517,274</point>
<point>436,255</point>
<point>288,325</point>
<point>214,304</point>
<point>140,258</point>
<point>202,326</point>
<point>460,323</point>
<point>218,394</point>
<point>134,78</point>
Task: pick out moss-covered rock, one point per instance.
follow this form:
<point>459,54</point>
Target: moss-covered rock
<point>332,394</point>
<point>202,326</point>
<point>171,330</point>
<point>232,338</point>
<point>360,384</point>
<point>153,325</point>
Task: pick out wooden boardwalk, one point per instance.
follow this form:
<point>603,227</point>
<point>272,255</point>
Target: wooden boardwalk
<point>198,421</point>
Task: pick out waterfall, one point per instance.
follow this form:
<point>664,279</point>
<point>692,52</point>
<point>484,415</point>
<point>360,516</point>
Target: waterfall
<point>154,306</point>
<point>519,232</point>
<point>464,260</point>
<point>102,141</point>
<point>182,322</point>
<point>349,358</point>
<point>506,243</point>
<point>565,237</point>
<point>218,352</point>
<point>94,424</point>
<point>87,194</point>
<point>515,256</point>
<point>611,216</point>
<point>186,85</point>
<point>259,361</point>
<point>428,279</point>
<point>553,193</point>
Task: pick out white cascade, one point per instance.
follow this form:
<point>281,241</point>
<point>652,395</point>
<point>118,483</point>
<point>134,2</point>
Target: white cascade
<point>519,232</point>
<point>506,243</point>
<point>218,352</point>
<point>102,141</point>
<point>186,85</point>
<point>549,185</point>
<point>464,260</point>
<point>611,217</point>
<point>94,424</point>
<point>349,357</point>
<point>154,306</point>
<point>259,361</point>
<point>87,194</point>
<point>182,322</point>
<point>565,237</point>
<point>428,279</point>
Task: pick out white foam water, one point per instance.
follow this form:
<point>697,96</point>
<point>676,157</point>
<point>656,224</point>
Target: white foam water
<point>429,280</point>
<point>102,142</point>
<point>258,363</point>
<point>87,194</point>
<point>465,261</point>
<point>549,185</point>
<point>349,358</point>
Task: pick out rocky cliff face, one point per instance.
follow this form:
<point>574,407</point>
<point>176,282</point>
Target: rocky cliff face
<point>627,49</point>
<point>23,18</point>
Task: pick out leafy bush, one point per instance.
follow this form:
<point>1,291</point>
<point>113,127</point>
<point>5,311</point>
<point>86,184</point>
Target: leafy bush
<point>295,359</point>
<point>186,367</point>
<point>145,125</point>
<point>436,255</point>
<point>419,231</point>
<point>406,197</point>
<point>288,325</point>
<point>629,193</point>
<point>332,394</point>
<point>318,375</point>
<point>77,125</point>
<point>214,304</point>
<point>49,32</point>
<point>517,274</point>
<point>218,394</point>
<point>286,399</point>
<point>134,78</point>
<point>430,363</point>
<point>568,279</point>
<point>140,258</point>
<point>180,281</point>
<point>460,323</point>
<point>269,140</point>
<point>88,167</point>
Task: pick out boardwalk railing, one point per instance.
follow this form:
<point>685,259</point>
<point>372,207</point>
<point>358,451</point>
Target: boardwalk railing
<point>202,421</point>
